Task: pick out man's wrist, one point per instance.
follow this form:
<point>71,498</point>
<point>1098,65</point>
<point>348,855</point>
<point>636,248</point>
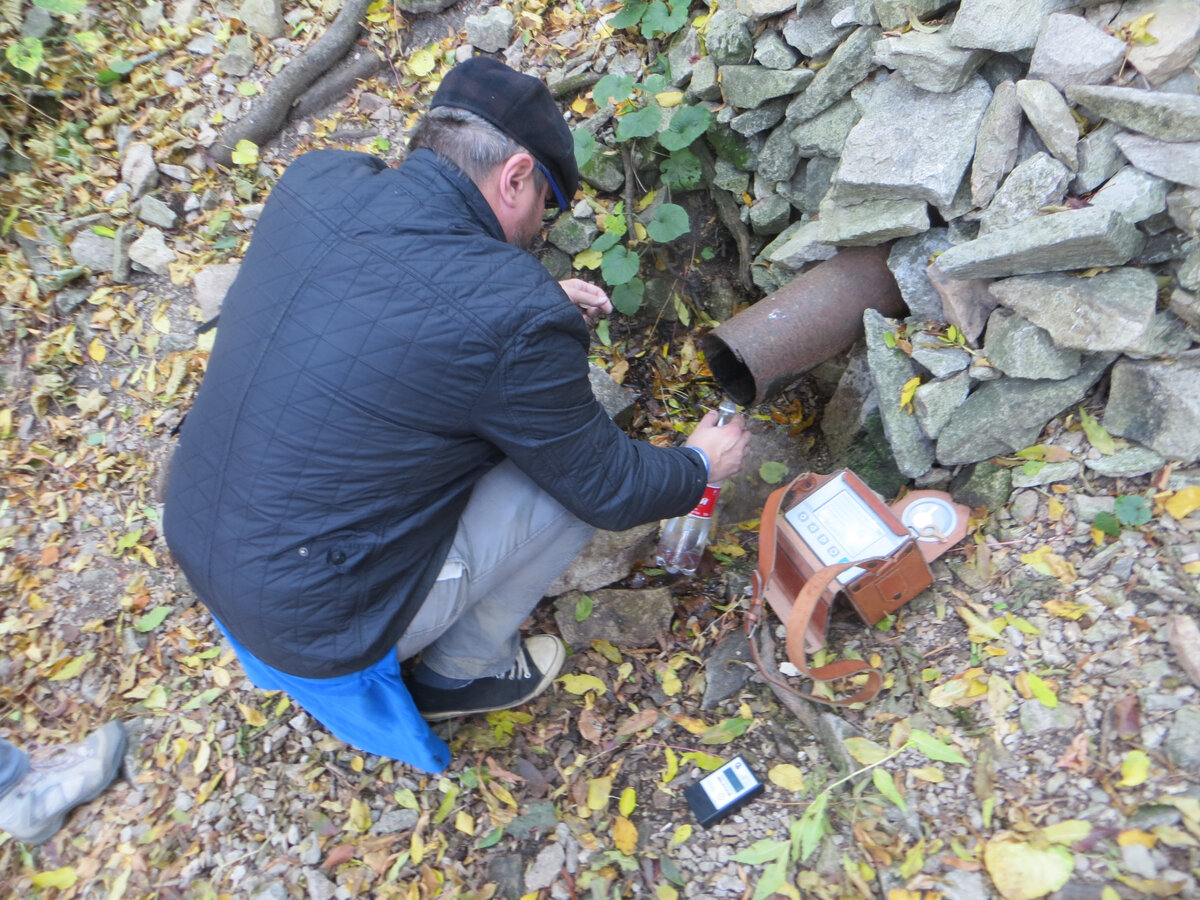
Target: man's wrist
<point>703,458</point>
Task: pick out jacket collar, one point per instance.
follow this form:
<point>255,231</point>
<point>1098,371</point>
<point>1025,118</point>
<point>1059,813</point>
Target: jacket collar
<point>455,204</point>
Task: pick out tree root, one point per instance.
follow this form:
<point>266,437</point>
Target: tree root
<point>359,64</point>
<point>268,114</point>
<point>574,84</point>
<point>728,211</point>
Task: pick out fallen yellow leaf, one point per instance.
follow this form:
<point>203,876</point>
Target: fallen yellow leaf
<point>1183,503</point>
<point>787,776</point>
<point>625,835</point>
<point>1022,871</point>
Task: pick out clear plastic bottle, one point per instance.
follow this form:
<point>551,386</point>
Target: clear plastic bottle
<point>684,538</point>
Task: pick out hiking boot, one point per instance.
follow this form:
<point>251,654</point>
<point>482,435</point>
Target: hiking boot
<point>59,779</point>
<point>537,664</point>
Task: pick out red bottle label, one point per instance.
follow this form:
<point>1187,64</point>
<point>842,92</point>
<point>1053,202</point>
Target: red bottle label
<point>704,509</point>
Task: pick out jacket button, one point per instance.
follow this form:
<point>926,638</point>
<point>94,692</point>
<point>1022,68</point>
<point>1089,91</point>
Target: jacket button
<point>303,551</point>
<point>337,557</point>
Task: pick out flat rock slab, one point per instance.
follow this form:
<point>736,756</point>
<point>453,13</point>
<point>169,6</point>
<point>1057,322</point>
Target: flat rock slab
<point>1038,182</point>
<point>1071,50</point>
<point>1160,114</point>
<point>1135,194</point>
<point>920,155</point>
<point>908,261</point>
<point>1110,311</point>
<point>1099,158</point>
<point>1051,118</point>
<point>1178,162</point>
<point>996,143</point>
<point>1157,404</point>
<point>929,61</point>
<point>850,64</point>
<point>1073,239</point>
<point>625,618</point>
<point>748,87</point>
<point>1020,349</point>
<point>1002,25</point>
<point>1175,27</point>
<point>1007,415</point>
<point>873,222</point>
<point>891,369</point>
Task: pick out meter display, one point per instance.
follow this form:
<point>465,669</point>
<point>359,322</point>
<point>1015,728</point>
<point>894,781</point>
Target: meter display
<point>838,526</point>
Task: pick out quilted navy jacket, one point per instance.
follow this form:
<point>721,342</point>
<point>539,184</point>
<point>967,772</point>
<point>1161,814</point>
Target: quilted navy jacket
<point>381,349</point>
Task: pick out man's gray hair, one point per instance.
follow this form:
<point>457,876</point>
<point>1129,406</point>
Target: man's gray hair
<point>469,141</point>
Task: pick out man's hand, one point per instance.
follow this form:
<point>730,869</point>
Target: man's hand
<point>725,446</point>
<point>591,300</point>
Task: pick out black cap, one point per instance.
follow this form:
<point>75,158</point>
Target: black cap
<point>520,106</point>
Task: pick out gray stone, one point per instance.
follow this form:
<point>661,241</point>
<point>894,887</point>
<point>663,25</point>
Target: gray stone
<point>1073,239</point>
<point>1186,306</point>
<point>704,84</point>
<point>1038,182</point>
<point>985,484</point>
<point>1099,158</point>
<point>604,171</point>
<point>153,211</point>
<point>873,222</point>
<point>151,253</point>
<point>1020,349</point>
<point>541,819</point>
<point>1109,311</point>
<point>995,143</point>
<point>238,59</point>
<point>92,251</point>
<point>1168,117</point>
<point>1175,27</point>
<point>572,235</point>
<point>728,38</point>
<point>1182,745</point>
<point>756,10</point>
<point>1050,473</point>
<point>546,868</point>
<point>1188,272</point>
<point>394,821</point>
<point>138,169</point>
<point>618,401</point>
<point>921,155</point>
<point>729,177</point>
<point>1002,25</point>
<point>770,215</point>
<point>896,13</point>
<point>1037,718</point>
<point>813,32</point>
<point>1157,404</point>
<point>935,402</point>
<point>1183,207</point>
<point>1004,416</point>
<point>852,403</point>
<point>1072,51</point>
<point>966,303</point>
<point>1166,336</point>
<point>490,31</point>
<point>210,286</point>
<point>1178,162</point>
<point>151,15</point>
<point>759,119</point>
<point>772,51</point>
<point>685,52</point>
<point>748,87</point>
<point>799,244</point>
<point>1051,118</point>
<point>421,7</point>
<point>1128,463</point>
<point>607,558</point>
<point>891,369</point>
<point>626,618</point>
<point>779,156</point>
<point>850,64</point>
<point>825,133</point>
<point>929,61</point>
<point>1135,194</point>
<point>908,260</point>
<point>263,17</point>
<point>941,361</point>
<point>727,669</point>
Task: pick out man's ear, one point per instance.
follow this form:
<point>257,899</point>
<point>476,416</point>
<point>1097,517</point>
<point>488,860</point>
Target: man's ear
<point>514,173</point>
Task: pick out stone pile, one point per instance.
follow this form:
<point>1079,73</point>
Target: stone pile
<point>1036,165</point>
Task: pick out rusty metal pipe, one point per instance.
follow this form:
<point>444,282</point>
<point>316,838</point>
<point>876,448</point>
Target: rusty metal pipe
<point>764,349</point>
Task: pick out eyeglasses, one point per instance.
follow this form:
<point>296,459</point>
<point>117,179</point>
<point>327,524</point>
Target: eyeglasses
<point>558,194</point>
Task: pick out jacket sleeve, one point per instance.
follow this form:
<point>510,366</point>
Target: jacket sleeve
<point>538,407</point>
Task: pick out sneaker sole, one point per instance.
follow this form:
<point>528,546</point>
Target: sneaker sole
<point>547,679</point>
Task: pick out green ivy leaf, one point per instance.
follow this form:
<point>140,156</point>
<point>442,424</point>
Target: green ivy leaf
<point>1033,466</point>
<point>640,124</point>
<point>612,89</point>
<point>25,54</point>
<point>655,83</point>
<point>773,878</point>
<point>1132,510</point>
<point>660,19</point>
<point>681,170</point>
<point>583,608</point>
<point>627,298</point>
<point>686,125</point>
<point>619,265</point>
<point>630,15</point>
<point>670,221</point>
<point>121,66</point>
<point>606,241</point>
<point>707,253</point>
<point>1107,522</point>
<point>491,838</point>
<point>602,334</point>
<point>585,145</point>
<point>772,472</point>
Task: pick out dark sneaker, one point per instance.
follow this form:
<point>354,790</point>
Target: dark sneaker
<point>58,780</point>
<point>536,666</point>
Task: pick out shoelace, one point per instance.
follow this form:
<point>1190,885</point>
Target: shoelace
<point>520,667</point>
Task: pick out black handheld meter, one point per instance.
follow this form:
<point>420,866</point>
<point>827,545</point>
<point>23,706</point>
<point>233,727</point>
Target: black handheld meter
<point>722,792</point>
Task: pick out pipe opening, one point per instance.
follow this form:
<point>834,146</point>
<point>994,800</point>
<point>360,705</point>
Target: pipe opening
<point>730,372</point>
